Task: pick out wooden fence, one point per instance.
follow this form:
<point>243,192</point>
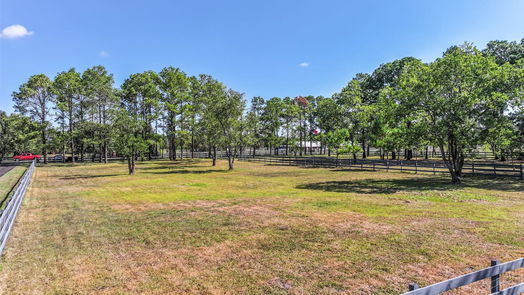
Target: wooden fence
<point>470,168</point>
<point>429,166</point>
<point>8,215</point>
<point>493,273</point>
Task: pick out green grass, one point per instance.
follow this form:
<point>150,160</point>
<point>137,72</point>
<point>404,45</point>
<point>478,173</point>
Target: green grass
<point>8,181</point>
<point>188,228</point>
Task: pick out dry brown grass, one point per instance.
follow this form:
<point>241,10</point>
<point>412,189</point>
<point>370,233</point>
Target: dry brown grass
<point>187,228</point>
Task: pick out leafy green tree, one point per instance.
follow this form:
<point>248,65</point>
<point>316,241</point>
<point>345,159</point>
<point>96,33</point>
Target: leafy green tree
<point>6,135</point>
<point>34,98</point>
<point>336,139</point>
<point>455,94</point>
<point>254,124</point>
<point>98,89</point>
<point>194,109</point>
<point>25,134</point>
<point>142,99</point>
<point>271,118</point>
<point>226,110</point>
<point>127,135</point>
<point>68,88</point>
<point>311,120</point>
<point>290,116</point>
<point>505,51</point>
<point>349,148</point>
<point>175,90</point>
<point>212,90</point>
<point>329,116</point>
<point>304,108</point>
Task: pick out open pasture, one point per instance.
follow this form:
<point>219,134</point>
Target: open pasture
<point>186,227</point>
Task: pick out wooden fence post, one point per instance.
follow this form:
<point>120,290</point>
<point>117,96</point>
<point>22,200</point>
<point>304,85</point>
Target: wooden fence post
<point>416,167</point>
<point>521,173</point>
<point>494,169</point>
<point>495,280</point>
<point>413,287</point>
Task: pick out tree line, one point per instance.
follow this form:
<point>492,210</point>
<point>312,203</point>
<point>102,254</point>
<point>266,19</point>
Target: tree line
<point>465,99</point>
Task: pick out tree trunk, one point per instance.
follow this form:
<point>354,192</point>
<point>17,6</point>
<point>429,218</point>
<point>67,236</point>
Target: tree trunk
<point>454,160</point>
<point>301,140</point>
<point>173,142</point>
<point>72,140</point>
<point>170,148</point>
<point>131,164</point>
<point>214,155</point>
<point>287,141</point>
<point>230,159</point>
<point>192,144</point>
<point>105,153</point>
<point>44,145</point>
<point>310,144</point>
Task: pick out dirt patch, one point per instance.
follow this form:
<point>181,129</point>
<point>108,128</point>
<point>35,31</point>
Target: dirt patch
<point>181,205</point>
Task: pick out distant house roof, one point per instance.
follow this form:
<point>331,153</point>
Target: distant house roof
<point>314,144</point>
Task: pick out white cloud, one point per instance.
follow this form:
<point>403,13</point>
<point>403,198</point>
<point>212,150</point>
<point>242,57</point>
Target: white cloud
<point>303,64</point>
<point>15,31</point>
<point>104,53</point>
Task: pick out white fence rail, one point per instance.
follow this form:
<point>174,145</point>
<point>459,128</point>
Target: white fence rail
<point>8,214</point>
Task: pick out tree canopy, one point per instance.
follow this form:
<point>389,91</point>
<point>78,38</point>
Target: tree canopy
<point>466,101</point>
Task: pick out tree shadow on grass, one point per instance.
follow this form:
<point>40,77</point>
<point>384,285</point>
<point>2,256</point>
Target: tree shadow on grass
<point>164,167</point>
<point>185,171</point>
<point>168,164</point>
<point>72,177</point>
<point>390,186</point>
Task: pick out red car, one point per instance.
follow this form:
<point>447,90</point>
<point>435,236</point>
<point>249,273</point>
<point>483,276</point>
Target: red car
<point>27,156</point>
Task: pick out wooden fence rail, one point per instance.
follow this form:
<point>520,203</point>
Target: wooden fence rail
<point>8,215</point>
<point>471,168</point>
<point>492,272</point>
<point>428,166</point>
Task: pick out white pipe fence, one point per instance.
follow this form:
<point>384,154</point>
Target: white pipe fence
<point>8,214</point>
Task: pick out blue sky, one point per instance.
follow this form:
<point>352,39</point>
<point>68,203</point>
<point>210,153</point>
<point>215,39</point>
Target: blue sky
<point>262,48</point>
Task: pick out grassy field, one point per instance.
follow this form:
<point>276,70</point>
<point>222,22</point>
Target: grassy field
<point>187,228</point>
<point>8,180</point>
